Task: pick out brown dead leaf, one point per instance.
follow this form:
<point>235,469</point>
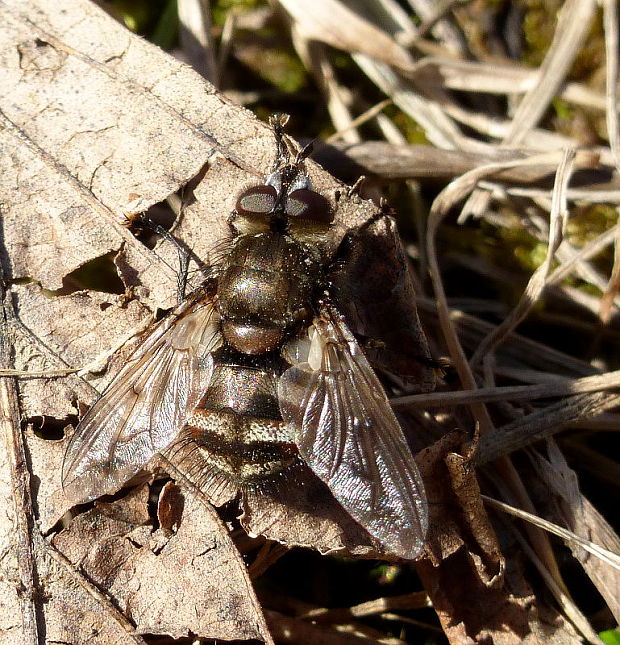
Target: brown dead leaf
<point>95,121</point>
<point>477,593</point>
<point>487,555</point>
<point>183,578</point>
<point>306,515</point>
<point>70,330</point>
<point>376,281</point>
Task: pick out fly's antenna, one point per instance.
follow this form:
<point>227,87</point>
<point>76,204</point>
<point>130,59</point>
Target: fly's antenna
<point>288,169</point>
<point>278,122</point>
<point>304,153</point>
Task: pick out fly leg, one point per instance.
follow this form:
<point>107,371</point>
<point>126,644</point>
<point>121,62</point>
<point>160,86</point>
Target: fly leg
<point>142,221</point>
<point>184,256</point>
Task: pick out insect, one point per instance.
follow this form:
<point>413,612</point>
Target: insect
<point>258,371</point>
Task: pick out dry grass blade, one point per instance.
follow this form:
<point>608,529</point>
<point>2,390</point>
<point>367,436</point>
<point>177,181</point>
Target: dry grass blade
<point>438,126</point>
<point>378,606</point>
<point>575,512</point>
<point>196,40</point>
<point>538,281</point>
<point>563,599</point>
<point>444,29</point>
<point>587,195</point>
<point>610,295</point>
<point>553,581</point>
<point>399,161</point>
<point>332,22</point>
<point>294,630</point>
<point>588,251</point>
<point>609,557</point>
<point>224,50</point>
<point>540,362</point>
<point>454,192</point>
<point>435,14</point>
<point>371,113</point>
<point>543,423</point>
<point>510,79</point>
<point>610,17</point>
<point>34,374</point>
<point>574,21</point>
<point>451,195</point>
<point>337,99</point>
<point>14,472</point>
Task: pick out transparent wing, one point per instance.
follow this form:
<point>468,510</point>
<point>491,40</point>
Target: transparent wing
<point>346,432</point>
<point>144,407</point>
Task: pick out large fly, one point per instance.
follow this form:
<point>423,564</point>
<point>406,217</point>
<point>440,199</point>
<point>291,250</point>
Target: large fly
<point>258,374</point>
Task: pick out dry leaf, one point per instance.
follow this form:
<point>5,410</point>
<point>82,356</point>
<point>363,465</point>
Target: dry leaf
<point>478,595</point>
<point>93,129</point>
<point>579,515</point>
<point>183,578</point>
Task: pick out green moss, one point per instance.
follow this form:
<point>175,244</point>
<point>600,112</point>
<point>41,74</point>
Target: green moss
<point>563,110</point>
<point>385,573</point>
<point>140,16</point>
<point>530,257</point>
<point>410,128</point>
<point>539,24</point>
<point>588,223</point>
<point>275,65</point>
<point>342,61</point>
<point>511,248</point>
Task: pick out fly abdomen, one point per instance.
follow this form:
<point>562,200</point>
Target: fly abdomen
<point>243,390</point>
<point>245,451</point>
<point>235,437</point>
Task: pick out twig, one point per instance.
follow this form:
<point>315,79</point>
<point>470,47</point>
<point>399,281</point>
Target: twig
<point>196,40</point>
<point>453,193</point>
<point>538,281</point>
<point>415,600</point>
<point>613,285</point>
<point>286,629</point>
<point>610,24</point>
<point>360,120</point>
<point>514,393</point>
<point>542,423</point>
<point>567,605</point>
<point>20,479</point>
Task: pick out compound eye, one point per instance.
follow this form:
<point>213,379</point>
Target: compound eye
<point>309,205</point>
<point>258,200</point>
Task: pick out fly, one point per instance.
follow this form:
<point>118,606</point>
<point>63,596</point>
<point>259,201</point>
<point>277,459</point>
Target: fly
<point>258,374</point>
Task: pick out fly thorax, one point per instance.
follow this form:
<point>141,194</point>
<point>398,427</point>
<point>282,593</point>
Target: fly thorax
<point>264,289</point>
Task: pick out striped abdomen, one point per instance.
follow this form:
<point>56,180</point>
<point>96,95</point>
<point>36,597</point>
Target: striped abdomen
<point>235,437</point>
